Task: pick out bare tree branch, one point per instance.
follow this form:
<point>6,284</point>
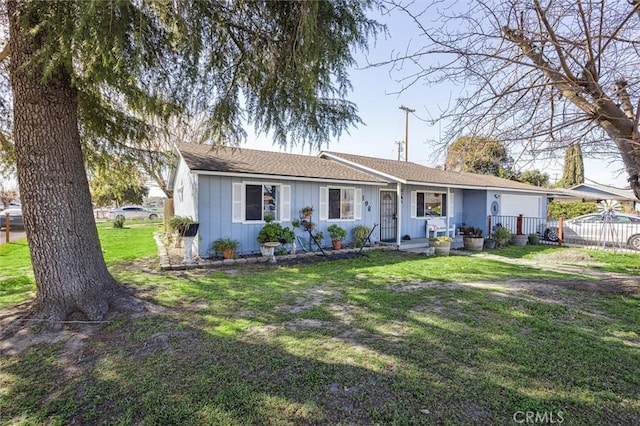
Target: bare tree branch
<point>538,75</point>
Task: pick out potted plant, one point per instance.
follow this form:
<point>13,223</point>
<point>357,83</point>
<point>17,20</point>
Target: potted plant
<point>187,230</point>
<point>226,246</point>
<point>360,234</point>
<point>319,236</point>
<point>442,245</point>
<point>307,211</point>
<point>308,225</point>
<point>534,239</point>
<point>519,239</point>
<point>489,243</point>
<point>184,226</point>
<point>337,234</point>
<point>287,236</point>
<point>502,236</point>
<point>295,224</point>
<point>270,233</point>
<point>473,239</point>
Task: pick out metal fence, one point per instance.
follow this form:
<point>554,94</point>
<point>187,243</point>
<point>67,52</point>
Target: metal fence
<point>596,231</point>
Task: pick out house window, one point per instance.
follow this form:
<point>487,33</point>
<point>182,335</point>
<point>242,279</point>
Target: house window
<point>429,204</point>
<point>341,203</point>
<point>261,201</point>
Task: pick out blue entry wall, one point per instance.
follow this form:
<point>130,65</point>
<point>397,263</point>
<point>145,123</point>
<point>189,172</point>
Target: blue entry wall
<point>416,227</point>
<point>215,210</point>
<point>474,209</point>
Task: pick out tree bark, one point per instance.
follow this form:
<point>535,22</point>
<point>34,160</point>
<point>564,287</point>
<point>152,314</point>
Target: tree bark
<point>70,272</point>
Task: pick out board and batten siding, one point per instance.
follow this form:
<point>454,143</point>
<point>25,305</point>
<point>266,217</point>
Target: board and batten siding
<point>216,200</point>
<point>416,227</point>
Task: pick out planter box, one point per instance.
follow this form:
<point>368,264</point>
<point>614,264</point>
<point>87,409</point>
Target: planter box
<point>473,243</point>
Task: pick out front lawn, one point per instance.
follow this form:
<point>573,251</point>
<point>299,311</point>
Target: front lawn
<point>387,338</point>
<point>134,241</point>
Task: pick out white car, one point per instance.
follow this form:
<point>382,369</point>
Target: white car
<point>617,229</point>
<point>132,212</point>
<point>15,217</point>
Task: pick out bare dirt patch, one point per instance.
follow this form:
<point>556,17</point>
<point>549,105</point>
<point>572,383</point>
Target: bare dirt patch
<point>572,257</point>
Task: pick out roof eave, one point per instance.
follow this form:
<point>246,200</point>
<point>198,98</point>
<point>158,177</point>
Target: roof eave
<point>285,177</point>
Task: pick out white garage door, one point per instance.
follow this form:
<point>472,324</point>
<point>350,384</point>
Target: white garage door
<point>514,205</point>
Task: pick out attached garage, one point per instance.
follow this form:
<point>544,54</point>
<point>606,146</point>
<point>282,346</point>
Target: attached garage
<point>526,205</point>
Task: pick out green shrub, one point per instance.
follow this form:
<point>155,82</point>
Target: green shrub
<point>502,236</point>
<point>569,210</point>
<point>274,232</point>
<point>118,222</point>
<point>360,234</point>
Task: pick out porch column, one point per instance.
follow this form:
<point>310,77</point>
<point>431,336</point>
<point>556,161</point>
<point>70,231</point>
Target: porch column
<point>448,212</point>
<point>399,214</point>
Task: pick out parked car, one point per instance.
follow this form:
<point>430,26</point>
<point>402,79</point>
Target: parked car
<point>616,229</point>
<point>15,217</point>
<point>133,212</point>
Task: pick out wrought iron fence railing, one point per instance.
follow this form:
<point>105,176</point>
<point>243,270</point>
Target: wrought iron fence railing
<point>595,231</point>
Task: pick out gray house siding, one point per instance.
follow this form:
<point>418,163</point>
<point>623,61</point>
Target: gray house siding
<point>216,210</point>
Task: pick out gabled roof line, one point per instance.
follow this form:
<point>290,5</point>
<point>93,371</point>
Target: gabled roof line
<point>324,154</point>
<point>482,187</point>
<point>283,177</point>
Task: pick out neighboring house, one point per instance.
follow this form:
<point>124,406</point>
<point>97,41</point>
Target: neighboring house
<point>586,192</point>
<point>229,191</point>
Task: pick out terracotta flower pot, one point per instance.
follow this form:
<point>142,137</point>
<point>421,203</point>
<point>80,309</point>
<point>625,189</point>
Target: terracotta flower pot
<point>337,244</point>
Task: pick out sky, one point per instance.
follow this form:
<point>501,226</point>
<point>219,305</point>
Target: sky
<point>376,95</point>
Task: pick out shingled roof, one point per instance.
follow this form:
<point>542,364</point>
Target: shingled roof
<point>226,160</point>
<point>408,172</point>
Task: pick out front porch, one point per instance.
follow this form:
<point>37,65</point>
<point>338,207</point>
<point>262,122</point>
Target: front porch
<point>420,245</point>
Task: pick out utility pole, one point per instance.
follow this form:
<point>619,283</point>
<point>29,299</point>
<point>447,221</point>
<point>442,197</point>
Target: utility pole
<point>400,148</point>
<point>406,130</point>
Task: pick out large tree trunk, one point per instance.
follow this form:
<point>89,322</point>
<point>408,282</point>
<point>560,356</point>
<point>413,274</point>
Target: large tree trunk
<point>70,272</point>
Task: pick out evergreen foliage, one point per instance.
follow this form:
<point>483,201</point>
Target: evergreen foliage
<point>120,184</point>
<point>534,177</point>
<point>478,154</point>
<point>569,210</point>
<point>573,171</point>
<point>281,66</point>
